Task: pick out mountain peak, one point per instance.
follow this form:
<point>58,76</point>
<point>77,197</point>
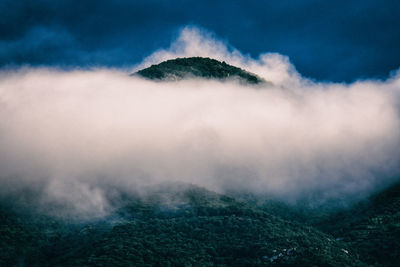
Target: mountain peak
<point>197,67</point>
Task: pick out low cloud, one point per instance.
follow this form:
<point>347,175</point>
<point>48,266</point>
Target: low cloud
<point>74,136</point>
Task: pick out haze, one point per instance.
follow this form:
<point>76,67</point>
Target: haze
<point>71,135</point>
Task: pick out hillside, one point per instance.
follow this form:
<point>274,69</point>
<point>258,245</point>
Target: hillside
<point>188,225</point>
<point>197,67</point>
<point>194,227</point>
<point>372,226</point>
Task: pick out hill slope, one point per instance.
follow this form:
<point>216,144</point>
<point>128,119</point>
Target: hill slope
<point>171,226</point>
<point>181,68</point>
<point>373,227</point>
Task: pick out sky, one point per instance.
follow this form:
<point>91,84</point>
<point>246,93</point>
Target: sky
<point>338,41</point>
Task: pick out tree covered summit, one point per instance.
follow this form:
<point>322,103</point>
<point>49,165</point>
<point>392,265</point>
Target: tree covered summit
<point>197,67</point>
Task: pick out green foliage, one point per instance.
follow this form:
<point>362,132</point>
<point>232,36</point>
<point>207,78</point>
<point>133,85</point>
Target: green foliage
<point>180,68</point>
<point>373,227</point>
<point>170,227</point>
<point>190,226</point>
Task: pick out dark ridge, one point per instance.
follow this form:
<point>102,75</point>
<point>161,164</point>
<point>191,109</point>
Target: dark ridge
<point>197,67</point>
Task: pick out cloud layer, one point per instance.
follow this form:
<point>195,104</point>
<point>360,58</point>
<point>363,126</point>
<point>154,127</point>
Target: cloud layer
<point>72,136</point>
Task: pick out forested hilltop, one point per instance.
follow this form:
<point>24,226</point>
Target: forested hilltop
<point>199,67</point>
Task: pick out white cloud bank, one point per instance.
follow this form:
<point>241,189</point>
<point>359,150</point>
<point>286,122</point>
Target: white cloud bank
<point>71,135</point>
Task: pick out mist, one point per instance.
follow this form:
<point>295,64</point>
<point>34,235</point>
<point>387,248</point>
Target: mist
<point>72,137</point>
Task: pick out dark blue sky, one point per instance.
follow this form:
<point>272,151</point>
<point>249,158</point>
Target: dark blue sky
<point>339,40</point>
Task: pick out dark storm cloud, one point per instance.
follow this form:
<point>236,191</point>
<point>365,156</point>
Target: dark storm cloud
<point>328,40</point>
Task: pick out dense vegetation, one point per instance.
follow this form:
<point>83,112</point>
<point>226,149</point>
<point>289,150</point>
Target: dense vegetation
<point>174,226</point>
<point>372,226</point>
<point>180,68</point>
<point>187,225</point>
